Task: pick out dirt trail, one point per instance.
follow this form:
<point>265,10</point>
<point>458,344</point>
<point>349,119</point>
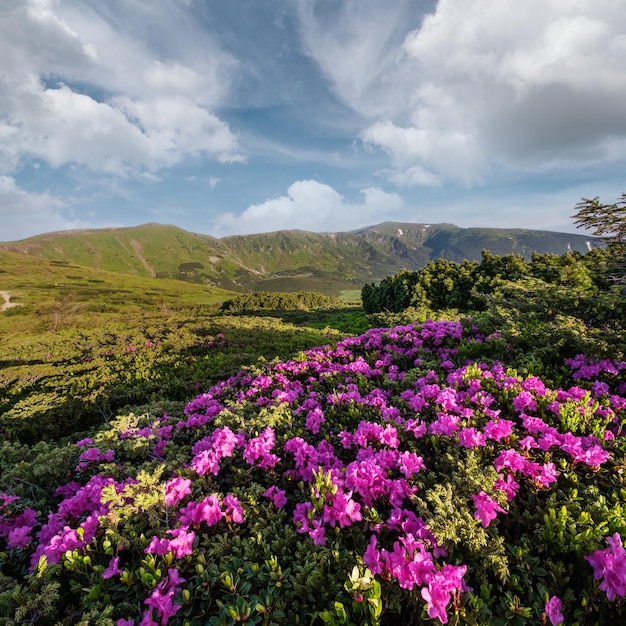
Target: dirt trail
<point>7,301</point>
<point>139,253</point>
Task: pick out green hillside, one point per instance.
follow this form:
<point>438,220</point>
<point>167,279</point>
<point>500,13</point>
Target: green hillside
<point>293,260</point>
<point>60,293</point>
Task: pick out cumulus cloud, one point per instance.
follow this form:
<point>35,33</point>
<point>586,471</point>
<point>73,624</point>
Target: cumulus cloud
<point>24,214</point>
<point>478,86</point>
<point>79,86</point>
<point>313,206</point>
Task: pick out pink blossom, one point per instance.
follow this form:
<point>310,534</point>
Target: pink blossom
<point>277,496</point>
<point>471,438</point>
<point>553,611</point>
<point>233,509</point>
<point>315,419</point>
<point>176,489</point>
<point>445,425</point>
<point>595,456</point>
<point>527,443</point>
<point>487,508</point>
<point>508,485</point>
<point>112,568</point>
<point>410,463</point>
<point>19,537</point>
<point>206,462</point>
<point>162,598</point>
<point>208,511</point>
<point>372,557</point>
<point>158,546</point>
<point>257,450</point>
<point>609,565</point>
<point>547,475</point>
<point>524,401</point>
<point>499,429</point>
<point>343,510</point>
<point>417,427</point>
<point>511,459</point>
<point>440,588</point>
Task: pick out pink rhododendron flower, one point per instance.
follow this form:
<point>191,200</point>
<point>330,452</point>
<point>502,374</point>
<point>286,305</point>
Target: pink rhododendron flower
<point>182,543</point>
<point>440,589</point>
<point>93,455</point>
<point>523,401</point>
<point>410,463</point>
<point>162,598</point>
<point>417,427</point>
<point>547,475</point>
<point>19,537</point>
<point>445,425</point>
<point>487,508</point>
<point>343,510</point>
<point>472,438</point>
<point>314,420</point>
<point>257,450</point>
<point>595,456</point>
<point>372,557</point>
<point>508,485</point>
<point>176,489</point>
<point>499,429</point>
<point>553,611</point>
<point>609,566</point>
<point>112,568</point>
<point>510,459</point>
<point>208,511</point>
<point>206,462</point>
<point>233,509</point>
<point>277,496</point>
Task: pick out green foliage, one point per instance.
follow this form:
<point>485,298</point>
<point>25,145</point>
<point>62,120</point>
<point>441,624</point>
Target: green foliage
<point>136,372</point>
<point>272,301</point>
<point>607,221</point>
<point>72,381</point>
<point>548,308</point>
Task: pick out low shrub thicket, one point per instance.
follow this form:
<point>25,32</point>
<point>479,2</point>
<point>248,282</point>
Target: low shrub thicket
<point>400,475</point>
<point>56,384</point>
<point>276,301</point>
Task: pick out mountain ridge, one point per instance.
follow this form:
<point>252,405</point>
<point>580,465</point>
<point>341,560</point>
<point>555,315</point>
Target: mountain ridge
<point>287,260</point>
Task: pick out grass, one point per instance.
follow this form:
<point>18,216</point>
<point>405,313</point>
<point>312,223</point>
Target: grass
<point>57,295</point>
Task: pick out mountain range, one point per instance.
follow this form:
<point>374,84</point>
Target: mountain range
<point>289,260</point>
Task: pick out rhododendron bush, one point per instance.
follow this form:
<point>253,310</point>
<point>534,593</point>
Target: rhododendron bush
<point>387,479</point>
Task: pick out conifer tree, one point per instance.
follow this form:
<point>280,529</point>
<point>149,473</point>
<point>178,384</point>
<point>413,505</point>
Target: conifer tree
<point>607,221</point>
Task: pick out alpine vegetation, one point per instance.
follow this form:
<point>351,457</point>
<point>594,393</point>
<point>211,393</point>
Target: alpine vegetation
<point>407,473</point>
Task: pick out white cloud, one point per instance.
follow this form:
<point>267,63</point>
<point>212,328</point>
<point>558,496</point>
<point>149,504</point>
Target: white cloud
<point>357,45</point>
<point>313,206</point>
<point>24,214</point>
<point>80,85</point>
<point>478,86</point>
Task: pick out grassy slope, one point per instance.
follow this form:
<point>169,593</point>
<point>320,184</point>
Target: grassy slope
<point>87,343</point>
<point>59,294</point>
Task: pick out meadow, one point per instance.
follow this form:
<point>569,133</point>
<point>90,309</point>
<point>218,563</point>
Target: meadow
<point>451,452</point>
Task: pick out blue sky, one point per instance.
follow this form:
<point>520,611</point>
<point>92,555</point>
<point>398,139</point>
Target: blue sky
<point>244,116</point>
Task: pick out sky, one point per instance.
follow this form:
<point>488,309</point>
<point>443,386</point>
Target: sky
<point>244,116</point>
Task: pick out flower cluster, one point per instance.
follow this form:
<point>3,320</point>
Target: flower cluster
<point>363,425</point>
<point>609,566</point>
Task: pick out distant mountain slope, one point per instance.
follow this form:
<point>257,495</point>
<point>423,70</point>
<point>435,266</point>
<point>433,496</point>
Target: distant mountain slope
<point>289,260</point>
